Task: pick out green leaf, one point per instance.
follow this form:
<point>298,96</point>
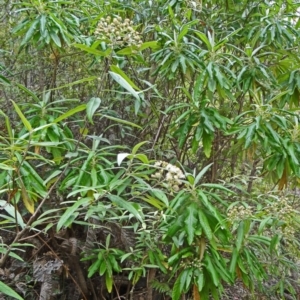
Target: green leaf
<point>92,50</point>
<point>150,44</point>
<point>91,107</point>
<point>71,112</point>
<point>142,157</point>
<point>30,32</point>
<point>249,135</point>
<point>4,80</point>
<point>5,289</point>
<point>201,173</point>
<point>122,121</point>
<point>120,80</point>
<point>198,89</point>
<point>274,134</point>
<point>217,186</point>
<point>205,224</point>
<point>190,222</point>
<point>211,269</point>
<point>233,261</point>
<point>126,51</point>
<point>204,38</point>
<point>10,209</point>
<point>22,117</point>
<point>74,83</point>
<point>94,268</point>
<point>70,211</point>
<point>117,70</point>
<point>34,176</point>
<point>55,38</point>
<point>103,268</point>
<point>126,205</point>
<point>153,201</point>
<point>6,167</point>
<point>114,263</point>
<point>43,20</point>
<point>108,282</point>
<point>160,195</point>
<point>137,147</point>
<point>274,243</point>
<point>176,292</point>
<point>240,235</point>
<point>200,280</point>
<point>207,140</point>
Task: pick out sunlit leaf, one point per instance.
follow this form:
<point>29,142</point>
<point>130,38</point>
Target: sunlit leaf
<point>91,107</point>
<point>6,290</point>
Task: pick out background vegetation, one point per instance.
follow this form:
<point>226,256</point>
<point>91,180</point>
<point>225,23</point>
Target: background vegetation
<point>149,149</point>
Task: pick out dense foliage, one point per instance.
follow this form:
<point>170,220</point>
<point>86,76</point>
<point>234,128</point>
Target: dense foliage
<point>149,149</point>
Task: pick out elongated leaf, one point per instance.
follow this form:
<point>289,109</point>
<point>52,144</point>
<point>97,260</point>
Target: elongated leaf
<point>30,32</point>
<point>91,107</point>
<point>233,262</point>
<point>136,147</point>
<point>184,279</point>
<point>22,117</point>
<point>126,205</point>
<point>6,167</point>
<point>142,157</point>
<point>43,21</point>
<point>153,201</point>
<point>92,50</point>
<point>94,268</point>
<point>122,121</point>
<point>205,225</point>
<point>4,80</point>
<point>108,282</point>
<point>204,38</point>
<point>70,211</point>
<point>119,79</point>
<point>117,70</point>
<point>249,135</point>
<point>10,209</point>
<point>84,170</point>
<point>55,38</point>
<point>69,113</point>
<point>74,83</point>
<point>207,140</point>
<point>240,235</point>
<point>201,173</point>
<point>217,186</point>
<point>212,270</point>
<point>150,44</point>
<point>5,289</point>
<point>37,179</point>
<point>176,292</point>
<point>28,202</point>
<point>8,125</point>
<point>190,223</point>
<point>160,195</point>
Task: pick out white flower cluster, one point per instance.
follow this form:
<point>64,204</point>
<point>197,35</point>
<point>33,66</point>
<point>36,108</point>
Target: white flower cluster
<point>119,32</point>
<point>239,213</point>
<point>281,208</point>
<point>170,173</point>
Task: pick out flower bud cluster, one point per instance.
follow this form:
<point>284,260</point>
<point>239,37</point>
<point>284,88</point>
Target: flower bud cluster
<point>195,263</point>
<point>119,32</point>
<point>283,211</point>
<point>169,173</point>
<point>238,213</point>
<point>281,208</point>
